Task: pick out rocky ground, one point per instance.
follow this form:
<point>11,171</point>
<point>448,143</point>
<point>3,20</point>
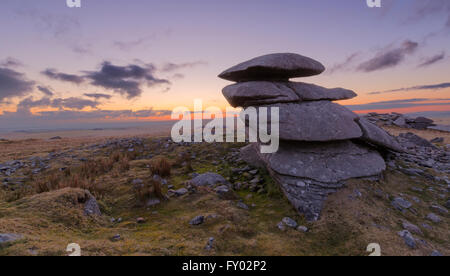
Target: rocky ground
<point>149,196</point>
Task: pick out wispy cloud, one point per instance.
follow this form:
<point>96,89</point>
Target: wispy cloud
<point>47,91</point>
<point>54,74</point>
<point>432,60</point>
<point>389,57</point>
<point>170,67</point>
<point>415,88</point>
<point>406,103</point>
<point>98,96</point>
<point>345,65</point>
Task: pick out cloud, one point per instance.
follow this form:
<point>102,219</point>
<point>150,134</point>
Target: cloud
<point>406,103</point>
<point>432,60</point>
<point>58,25</point>
<point>11,62</point>
<point>170,67</point>
<point>98,96</point>
<point>45,90</point>
<point>343,66</point>
<point>438,86</point>
<point>389,57</point>
<point>53,74</point>
<point>13,84</point>
<point>128,45</point>
<point>125,80</point>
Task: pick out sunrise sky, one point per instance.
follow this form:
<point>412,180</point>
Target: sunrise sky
<point>138,59</point>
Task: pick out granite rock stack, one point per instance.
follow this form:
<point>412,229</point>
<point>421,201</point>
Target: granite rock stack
<point>322,144</point>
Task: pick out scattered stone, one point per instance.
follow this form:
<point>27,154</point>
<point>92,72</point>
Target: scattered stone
<point>210,244</point>
<point>412,228</point>
<point>439,209</point>
<point>242,205</point>
<point>281,226</point>
<point>209,179</point>
<point>377,136</point>
<point>416,140</point>
<point>433,217</point>
<point>224,192</point>
<point>290,222</point>
<point>197,220</point>
<point>180,192</point>
<point>302,229</point>
<point>401,203</point>
<point>56,138</point>
<point>153,202</point>
<point>116,238</point>
<point>408,238</point>
<point>436,253</point>
<point>6,239</point>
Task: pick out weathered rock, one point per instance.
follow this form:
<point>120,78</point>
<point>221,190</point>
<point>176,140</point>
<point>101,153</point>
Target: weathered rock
<point>302,229</point>
<point>263,92</point>
<point>439,209</point>
<point>400,122</point>
<point>153,202</point>
<point>281,66</point>
<point>209,179</point>
<point>377,136</point>
<point>401,203</point>
<point>224,192</point>
<point>91,207</point>
<point>437,140</point>
<point>7,239</point>
<point>436,253</point>
<point>180,192</point>
<point>316,121</point>
<point>325,162</point>
<point>412,228</point>
<point>197,220</point>
<point>408,238</point>
<point>250,155</point>
<point>417,140</point>
<point>242,205</point>
<point>289,222</point>
<point>433,217</point>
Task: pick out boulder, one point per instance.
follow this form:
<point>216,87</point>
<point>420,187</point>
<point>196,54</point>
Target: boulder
<point>325,162</point>
<point>416,140</point>
<point>209,179</point>
<point>316,121</point>
<point>7,239</point>
<point>281,66</point>
<point>377,136</point>
<point>91,207</point>
<point>263,92</point>
<point>250,155</point>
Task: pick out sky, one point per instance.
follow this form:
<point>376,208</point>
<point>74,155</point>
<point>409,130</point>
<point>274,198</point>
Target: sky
<point>136,60</point>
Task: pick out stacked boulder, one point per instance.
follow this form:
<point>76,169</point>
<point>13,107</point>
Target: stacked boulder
<point>322,144</point>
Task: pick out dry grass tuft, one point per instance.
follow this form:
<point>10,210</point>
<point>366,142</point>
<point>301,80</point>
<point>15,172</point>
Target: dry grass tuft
<point>161,167</point>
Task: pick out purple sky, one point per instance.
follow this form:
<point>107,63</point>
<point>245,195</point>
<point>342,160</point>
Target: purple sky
<point>137,59</point>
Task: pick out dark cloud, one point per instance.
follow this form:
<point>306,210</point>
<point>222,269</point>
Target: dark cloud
<point>406,103</point>
<point>415,88</point>
<point>53,74</point>
<point>125,80</point>
<point>98,96</point>
<point>13,84</point>
<point>432,60</point>
<point>11,62</point>
<point>389,57</point>
<point>170,67</point>
<point>45,90</point>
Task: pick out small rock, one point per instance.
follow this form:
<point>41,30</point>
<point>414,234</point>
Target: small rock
<point>56,138</point>
<point>140,220</point>
<point>439,209</point>
<point>281,226</point>
<point>116,238</point>
<point>224,192</point>
<point>437,140</point>
<point>412,228</point>
<point>408,238</point>
<point>290,222</point>
<point>210,244</point>
<point>400,203</point>
<point>197,220</point>
<point>436,253</point>
<point>6,239</point>
<point>433,217</point>
<point>180,192</point>
<point>302,229</point>
<point>153,202</point>
<point>242,205</point>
